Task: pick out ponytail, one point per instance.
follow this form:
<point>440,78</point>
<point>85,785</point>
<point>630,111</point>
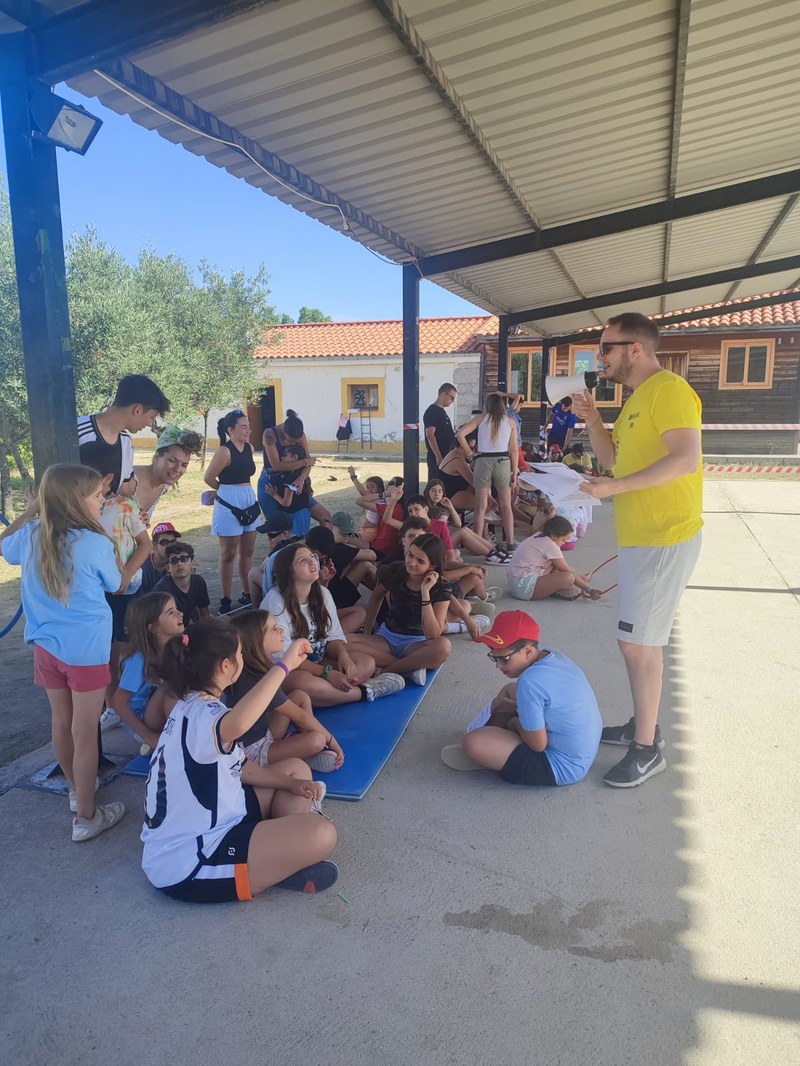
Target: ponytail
<point>189,662</point>
<point>226,424</point>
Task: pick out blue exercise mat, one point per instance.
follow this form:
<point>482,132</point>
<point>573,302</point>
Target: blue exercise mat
<point>367,732</point>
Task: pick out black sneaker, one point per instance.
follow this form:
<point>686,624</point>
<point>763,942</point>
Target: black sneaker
<point>225,605</point>
<point>624,735</point>
<point>312,879</point>
<point>638,764</point>
<point>245,600</point>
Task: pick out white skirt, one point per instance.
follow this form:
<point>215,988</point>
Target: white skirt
<point>223,522</point>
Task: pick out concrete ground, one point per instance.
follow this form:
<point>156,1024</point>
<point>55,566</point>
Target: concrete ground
<point>486,924</point>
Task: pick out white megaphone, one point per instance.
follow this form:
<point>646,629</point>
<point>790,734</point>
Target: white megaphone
<point>558,387</point>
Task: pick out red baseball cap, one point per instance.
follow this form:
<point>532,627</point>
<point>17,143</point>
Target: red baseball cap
<point>165,527</point>
<point>508,628</point>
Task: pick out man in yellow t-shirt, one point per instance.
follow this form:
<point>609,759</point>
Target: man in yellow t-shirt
<point>655,454</point>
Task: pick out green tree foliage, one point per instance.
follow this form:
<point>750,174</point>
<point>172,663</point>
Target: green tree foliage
<point>194,333</point>
<point>312,314</point>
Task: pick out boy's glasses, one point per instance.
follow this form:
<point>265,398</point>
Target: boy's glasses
<point>179,559</point>
<point>502,658</point>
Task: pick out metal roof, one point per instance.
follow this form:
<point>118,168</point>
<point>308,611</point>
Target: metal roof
<point>428,126</point>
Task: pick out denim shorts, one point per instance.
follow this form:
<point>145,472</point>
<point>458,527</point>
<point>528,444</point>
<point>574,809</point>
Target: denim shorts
<point>399,643</point>
<point>521,588</point>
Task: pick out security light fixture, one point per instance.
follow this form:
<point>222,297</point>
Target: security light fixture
<point>63,123</point>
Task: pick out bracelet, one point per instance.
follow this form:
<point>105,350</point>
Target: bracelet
<point>283,667</point>
<point>426,603</point>
<point>327,671</point>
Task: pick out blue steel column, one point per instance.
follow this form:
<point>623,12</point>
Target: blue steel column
<point>41,274</point>
<point>502,355</point>
<point>411,379</point>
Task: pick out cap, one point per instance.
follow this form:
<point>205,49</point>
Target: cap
<point>343,521</point>
<point>165,527</point>
<point>280,522</point>
<point>508,628</point>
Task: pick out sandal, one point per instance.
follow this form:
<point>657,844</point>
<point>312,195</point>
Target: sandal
<point>568,594</point>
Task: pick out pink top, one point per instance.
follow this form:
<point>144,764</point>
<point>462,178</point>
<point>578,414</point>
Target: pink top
<point>534,557</point>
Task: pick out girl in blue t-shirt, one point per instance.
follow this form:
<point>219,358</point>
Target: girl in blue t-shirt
<point>151,621</point>
<point>68,565</point>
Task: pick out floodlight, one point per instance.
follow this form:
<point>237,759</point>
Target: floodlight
<point>62,123</point>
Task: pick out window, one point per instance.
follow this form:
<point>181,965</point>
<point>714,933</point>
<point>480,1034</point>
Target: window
<point>675,362</point>
<point>363,394</point>
<point>525,374</point>
<point>746,365</point>
<point>582,359</point>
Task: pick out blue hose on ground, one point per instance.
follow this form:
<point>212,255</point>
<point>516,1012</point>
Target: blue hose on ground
<point>18,615</point>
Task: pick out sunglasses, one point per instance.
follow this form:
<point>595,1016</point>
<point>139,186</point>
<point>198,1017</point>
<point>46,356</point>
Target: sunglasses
<point>162,542</point>
<point>502,658</point>
<point>605,346</point>
<point>180,559</point>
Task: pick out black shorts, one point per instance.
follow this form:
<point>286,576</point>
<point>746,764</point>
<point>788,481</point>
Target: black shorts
<point>527,767</point>
<point>119,608</point>
<point>344,592</point>
<point>454,483</point>
<point>222,878</point>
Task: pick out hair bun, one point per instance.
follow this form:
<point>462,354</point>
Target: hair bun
<point>291,414</point>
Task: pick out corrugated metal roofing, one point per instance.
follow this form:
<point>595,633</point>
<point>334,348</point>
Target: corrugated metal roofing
<point>450,124</point>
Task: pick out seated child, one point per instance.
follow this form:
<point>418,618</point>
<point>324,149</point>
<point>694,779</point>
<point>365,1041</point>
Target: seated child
<point>188,589</point>
<point>410,641</point>
<point>374,491</point>
<point>278,528</point>
<point>218,828</point>
<point>345,532</point>
<point>538,569</point>
<point>351,566</point>
<point>152,620</point>
<point>269,740</point>
<point>578,459</point>
<point>387,538</point>
<point>543,730</point>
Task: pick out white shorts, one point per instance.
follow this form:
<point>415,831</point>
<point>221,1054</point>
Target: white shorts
<point>223,522</point>
<point>651,583</point>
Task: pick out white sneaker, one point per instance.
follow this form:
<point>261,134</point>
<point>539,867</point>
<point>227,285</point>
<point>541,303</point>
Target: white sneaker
<point>316,805</point>
<point>73,795</point>
<point>494,593</point>
<point>482,607</point>
<point>323,762</point>
<point>418,677</point>
<point>483,623</point>
<point>383,685</point>
<point>454,756</point>
<point>109,719</point>
<point>105,816</point>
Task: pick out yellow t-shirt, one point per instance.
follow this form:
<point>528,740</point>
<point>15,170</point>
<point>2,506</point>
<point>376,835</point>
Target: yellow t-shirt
<point>664,514</point>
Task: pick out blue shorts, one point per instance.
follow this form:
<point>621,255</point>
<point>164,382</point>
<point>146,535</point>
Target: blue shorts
<point>521,588</point>
<point>399,643</point>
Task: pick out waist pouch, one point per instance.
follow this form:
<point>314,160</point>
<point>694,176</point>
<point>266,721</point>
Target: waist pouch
<point>246,517</point>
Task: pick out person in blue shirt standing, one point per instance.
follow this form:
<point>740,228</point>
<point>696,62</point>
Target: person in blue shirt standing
<point>562,423</point>
<point>542,730</point>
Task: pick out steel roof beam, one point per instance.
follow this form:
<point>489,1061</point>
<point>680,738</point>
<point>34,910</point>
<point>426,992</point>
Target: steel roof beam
<point>661,288</point>
<point>678,85</point>
<point>750,304</point>
<point>591,229</point>
<point>766,240</point>
<point>86,37</point>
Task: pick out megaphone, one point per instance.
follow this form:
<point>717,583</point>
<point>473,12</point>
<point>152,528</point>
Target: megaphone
<point>557,388</point>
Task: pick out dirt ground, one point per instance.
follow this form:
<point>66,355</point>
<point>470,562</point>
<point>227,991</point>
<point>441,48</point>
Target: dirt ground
<point>25,725</point>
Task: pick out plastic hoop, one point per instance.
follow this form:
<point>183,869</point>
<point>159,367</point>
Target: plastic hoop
<point>600,567</point>
<point>18,615</point>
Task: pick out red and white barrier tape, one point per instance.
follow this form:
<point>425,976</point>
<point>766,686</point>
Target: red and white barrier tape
<point>721,468</point>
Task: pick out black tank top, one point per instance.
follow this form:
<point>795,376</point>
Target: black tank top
<point>241,467</point>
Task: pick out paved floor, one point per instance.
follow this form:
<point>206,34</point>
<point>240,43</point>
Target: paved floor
<point>486,924</point>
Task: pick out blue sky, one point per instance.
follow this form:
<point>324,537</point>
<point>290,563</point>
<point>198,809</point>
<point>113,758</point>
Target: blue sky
<point>136,188</point>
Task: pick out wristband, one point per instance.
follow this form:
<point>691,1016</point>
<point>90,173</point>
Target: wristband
<point>283,667</point>
<point>327,671</point>
<point>426,603</point>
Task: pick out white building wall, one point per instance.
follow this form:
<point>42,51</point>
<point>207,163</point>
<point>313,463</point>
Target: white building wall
<point>313,388</point>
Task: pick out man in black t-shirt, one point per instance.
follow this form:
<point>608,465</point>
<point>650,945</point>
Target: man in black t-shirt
<point>188,589</point>
<point>155,567</point>
<point>440,436</point>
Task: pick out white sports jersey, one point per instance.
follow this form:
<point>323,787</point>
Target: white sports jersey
<point>116,459</point>
<point>194,794</point>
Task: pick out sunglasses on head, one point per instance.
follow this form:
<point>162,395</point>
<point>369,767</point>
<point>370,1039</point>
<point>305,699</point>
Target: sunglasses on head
<point>180,559</point>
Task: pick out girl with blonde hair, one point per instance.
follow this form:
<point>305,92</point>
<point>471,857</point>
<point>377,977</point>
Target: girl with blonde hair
<point>68,564</point>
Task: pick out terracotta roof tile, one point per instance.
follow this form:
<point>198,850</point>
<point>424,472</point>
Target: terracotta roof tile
<point>320,339</point>
<point>784,314</point>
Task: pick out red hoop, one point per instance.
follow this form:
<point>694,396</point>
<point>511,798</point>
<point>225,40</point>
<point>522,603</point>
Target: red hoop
<point>600,567</point>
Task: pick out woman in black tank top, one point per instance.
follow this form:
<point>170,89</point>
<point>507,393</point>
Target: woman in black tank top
<point>236,513</point>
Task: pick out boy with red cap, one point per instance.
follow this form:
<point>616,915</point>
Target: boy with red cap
<point>544,728</point>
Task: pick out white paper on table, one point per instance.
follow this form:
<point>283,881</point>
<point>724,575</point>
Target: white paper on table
<point>560,484</point>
